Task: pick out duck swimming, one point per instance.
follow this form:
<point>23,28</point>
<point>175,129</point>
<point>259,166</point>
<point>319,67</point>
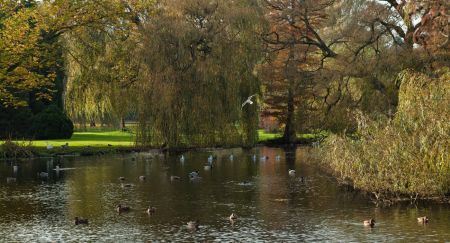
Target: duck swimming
<point>422,220</point>
<point>193,225</point>
<point>193,174</point>
<point>42,174</point>
<point>369,222</point>
<point>122,209</point>
<point>81,221</point>
<point>126,185</point>
<point>151,210</point>
<point>233,217</point>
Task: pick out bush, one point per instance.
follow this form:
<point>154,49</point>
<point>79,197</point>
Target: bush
<point>12,150</point>
<point>52,123</point>
<point>406,156</point>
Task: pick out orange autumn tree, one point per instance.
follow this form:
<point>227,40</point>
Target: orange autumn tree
<point>297,52</point>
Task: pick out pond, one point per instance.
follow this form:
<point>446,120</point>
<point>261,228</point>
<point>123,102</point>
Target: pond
<point>271,205</point>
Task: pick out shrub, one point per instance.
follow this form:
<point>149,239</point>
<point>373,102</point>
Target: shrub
<point>12,150</point>
<point>408,155</point>
<point>52,123</point>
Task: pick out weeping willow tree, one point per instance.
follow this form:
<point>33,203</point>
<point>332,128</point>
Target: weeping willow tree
<point>197,68</point>
<point>100,73</point>
<point>100,58</point>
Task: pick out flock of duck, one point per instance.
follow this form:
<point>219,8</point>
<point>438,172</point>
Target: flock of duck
<point>194,175</point>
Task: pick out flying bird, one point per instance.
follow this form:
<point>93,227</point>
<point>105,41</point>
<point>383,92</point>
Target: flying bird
<point>248,101</point>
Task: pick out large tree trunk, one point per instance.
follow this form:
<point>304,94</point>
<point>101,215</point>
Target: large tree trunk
<point>289,135</point>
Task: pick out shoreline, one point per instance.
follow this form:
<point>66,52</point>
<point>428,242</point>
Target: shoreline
<point>87,151</point>
<point>36,152</point>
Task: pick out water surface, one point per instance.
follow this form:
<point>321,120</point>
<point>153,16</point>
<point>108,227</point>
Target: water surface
<point>270,204</point>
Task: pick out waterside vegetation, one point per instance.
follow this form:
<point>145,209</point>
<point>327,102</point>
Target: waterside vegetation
<point>403,157</point>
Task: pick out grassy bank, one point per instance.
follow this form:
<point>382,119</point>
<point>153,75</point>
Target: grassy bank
<point>84,143</point>
<point>97,142</point>
<point>93,139</point>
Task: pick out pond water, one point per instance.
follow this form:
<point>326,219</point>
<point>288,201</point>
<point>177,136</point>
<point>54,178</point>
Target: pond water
<point>271,205</point>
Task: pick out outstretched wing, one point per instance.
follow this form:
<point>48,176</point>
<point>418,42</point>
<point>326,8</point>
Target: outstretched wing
<point>243,104</point>
<point>248,101</point>
<point>251,96</point>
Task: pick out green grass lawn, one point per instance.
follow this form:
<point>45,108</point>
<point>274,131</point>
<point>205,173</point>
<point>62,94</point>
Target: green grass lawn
<point>124,139</point>
<point>94,139</point>
<point>264,136</point>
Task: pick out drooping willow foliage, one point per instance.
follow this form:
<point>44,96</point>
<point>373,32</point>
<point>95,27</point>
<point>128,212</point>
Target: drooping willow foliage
<point>99,65</point>
<point>183,74</point>
<point>198,64</point>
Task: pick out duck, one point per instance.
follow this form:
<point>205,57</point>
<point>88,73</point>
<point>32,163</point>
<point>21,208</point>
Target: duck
<point>65,146</point>
<point>81,221</point>
<point>231,157</point>
<point>142,178</point>
<point>193,174</point>
<point>42,174</point>
<point>122,178</point>
<point>264,158</point>
<point>182,158</point>
<point>11,179</point>
<point>151,210</point>
<point>233,217</point>
<point>422,220</point>
<point>369,222</point>
<point>291,172</point>
<point>254,157</point>
<point>172,178</point>
<point>126,185</point>
<point>122,209</point>
<point>207,167</point>
<point>15,168</point>
<point>193,225</point>
<point>210,159</point>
